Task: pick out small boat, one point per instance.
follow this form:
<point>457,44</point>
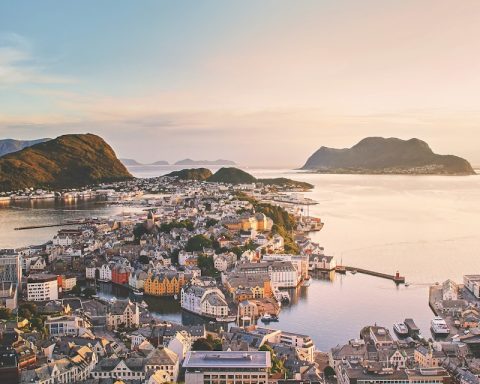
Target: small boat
<point>407,284</point>
<point>307,281</point>
<point>353,271</point>
<point>137,292</point>
<point>143,304</point>
<point>175,297</point>
<point>400,329</point>
<point>266,318</point>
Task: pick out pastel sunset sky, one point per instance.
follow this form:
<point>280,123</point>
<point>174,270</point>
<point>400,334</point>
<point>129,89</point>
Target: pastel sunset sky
<point>261,82</point>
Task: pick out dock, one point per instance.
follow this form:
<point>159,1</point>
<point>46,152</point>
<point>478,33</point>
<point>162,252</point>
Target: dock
<point>396,278</point>
<point>50,225</point>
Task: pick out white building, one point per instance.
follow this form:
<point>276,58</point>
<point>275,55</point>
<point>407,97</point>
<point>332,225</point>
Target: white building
<point>105,272</point>
<point>321,262</point>
<point>180,344</point>
<point>65,325</point>
<point>62,240</point>
<point>205,301</point>
<point>227,366</point>
<point>137,278</point>
<point>472,283</point>
<point>42,287</point>
<point>68,282</point>
<point>90,272</point>
<point>449,290</point>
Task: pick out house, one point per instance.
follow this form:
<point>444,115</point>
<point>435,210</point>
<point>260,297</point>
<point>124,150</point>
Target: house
<point>180,345</point>
<point>321,262</point>
<point>123,313</point>
<point>120,274</point>
<point>224,261</point>
<point>163,359</point>
<point>428,357</point>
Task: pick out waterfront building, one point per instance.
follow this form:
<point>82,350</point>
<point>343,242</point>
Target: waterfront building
<point>380,337</point>
<point>137,278</point>
<point>204,300</point>
<point>449,290</point>
<point>472,283</point>
<point>42,287</point>
<point>243,286</point>
<point>282,273</point>
<point>321,262</point>
<point>120,274</point>
<point>165,283</point>
<point>123,313</point>
<point>105,272</point>
<point>216,367</point>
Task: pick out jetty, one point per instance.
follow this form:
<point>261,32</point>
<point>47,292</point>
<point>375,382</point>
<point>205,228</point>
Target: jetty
<point>50,225</point>
<point>396,278</point>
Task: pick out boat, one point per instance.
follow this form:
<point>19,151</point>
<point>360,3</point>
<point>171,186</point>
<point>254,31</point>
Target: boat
<point>266,318</point>
<point>353,271</point>
<point>407,284</point>
<point>137,292</point>
<point>175,297</point>
<point>400,329</point>
<point>307,281</point>
<point>439,327</point>
<point>143,304</point>
<point>226,319</point>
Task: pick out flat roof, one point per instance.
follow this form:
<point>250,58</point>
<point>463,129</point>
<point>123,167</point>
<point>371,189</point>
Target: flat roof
<point>227,359</point>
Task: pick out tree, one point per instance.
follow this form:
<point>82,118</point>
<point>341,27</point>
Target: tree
<point>206,265</point>
<point>201,345</point>
<point>76,290</point>
<point>89,292</point>
<point>5,313</point>
<point>143,259</point>
<point>197,243</point>
<point>329,371</point>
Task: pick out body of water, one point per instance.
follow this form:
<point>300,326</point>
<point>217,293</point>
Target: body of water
<point>423,226</point>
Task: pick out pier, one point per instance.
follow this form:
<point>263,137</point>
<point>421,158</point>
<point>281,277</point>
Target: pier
<point>50,225</point>
<point>397,279</point>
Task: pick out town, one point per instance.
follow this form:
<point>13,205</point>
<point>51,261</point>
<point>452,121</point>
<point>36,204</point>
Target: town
<point>228,255</point>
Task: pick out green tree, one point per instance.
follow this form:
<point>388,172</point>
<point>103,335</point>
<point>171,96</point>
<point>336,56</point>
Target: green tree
<point>76,290</point>
<point>197,243</point>
<point>206,265</point>
<point>201,345</point>
<point>5,313</point>
<point>89,292</point>
<point>143,259</point>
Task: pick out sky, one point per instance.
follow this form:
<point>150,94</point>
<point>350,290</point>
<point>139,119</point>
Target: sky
<point>263,83</point>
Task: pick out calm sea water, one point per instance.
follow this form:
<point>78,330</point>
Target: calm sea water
<point>423,226</point>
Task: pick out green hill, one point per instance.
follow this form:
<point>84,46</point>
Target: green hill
<point>237,176</point>
<point>199,174</point>
<point>64,162</point>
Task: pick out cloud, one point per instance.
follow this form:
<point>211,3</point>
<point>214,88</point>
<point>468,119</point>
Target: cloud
<point>18,65</point>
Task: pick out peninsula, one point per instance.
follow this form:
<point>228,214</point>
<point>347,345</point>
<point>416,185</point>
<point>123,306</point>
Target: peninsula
<point>378,155</point>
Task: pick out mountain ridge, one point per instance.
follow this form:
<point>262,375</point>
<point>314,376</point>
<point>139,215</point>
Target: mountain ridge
<point>12,145</point>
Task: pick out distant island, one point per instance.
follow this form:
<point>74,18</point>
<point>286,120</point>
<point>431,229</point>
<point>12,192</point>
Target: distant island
<point>11,145</point>
<point>133,162</point>
<point>231,175</point>
<point>205,162</point>
<point>65,162</point>
<point>378,155</point>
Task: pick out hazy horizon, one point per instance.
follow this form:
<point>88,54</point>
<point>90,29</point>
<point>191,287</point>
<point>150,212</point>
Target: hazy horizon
<point>260,83</point>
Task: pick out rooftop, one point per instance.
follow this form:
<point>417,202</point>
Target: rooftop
<point>228,359</point>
